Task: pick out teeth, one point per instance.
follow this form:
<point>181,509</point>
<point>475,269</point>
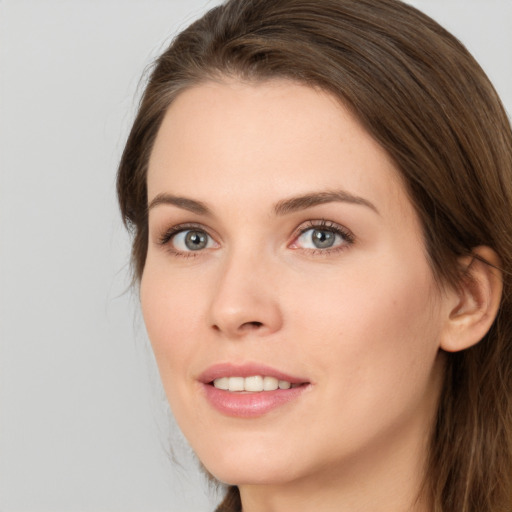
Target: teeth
<point>222,383</point>
<point>270,383</point>
<point>255,383</point>
<point>236,383</point>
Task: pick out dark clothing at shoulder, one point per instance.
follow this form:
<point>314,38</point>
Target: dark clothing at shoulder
<point>231,502</point>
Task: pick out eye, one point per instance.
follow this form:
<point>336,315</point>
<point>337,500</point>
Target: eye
<point>180,240</point>
<point>318,239</point>
<point>191,240</point>
<point>325,236</point>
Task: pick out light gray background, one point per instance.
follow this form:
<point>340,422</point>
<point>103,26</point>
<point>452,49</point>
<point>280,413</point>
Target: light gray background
<point>83,419</point>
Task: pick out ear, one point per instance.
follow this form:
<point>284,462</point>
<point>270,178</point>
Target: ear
<point>475,302</point>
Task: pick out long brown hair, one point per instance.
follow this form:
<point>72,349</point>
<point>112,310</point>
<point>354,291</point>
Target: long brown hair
<point>423,97</point>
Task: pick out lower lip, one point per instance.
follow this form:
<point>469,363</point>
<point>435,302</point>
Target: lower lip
<point>250,405</point>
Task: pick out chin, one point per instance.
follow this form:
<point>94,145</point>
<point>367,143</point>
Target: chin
<point>240,474</point>
<point>248,465</point>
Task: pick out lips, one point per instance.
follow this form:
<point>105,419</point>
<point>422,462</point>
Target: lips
<point>249,390</point>
<point>247,370</point>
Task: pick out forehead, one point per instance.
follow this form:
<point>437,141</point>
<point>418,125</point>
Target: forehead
<point>272,139</point>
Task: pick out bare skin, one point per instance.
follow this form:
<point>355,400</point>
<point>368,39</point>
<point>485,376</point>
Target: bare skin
<point>280,234</point>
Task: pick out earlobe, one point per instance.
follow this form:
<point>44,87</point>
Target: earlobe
<point>476,301</point>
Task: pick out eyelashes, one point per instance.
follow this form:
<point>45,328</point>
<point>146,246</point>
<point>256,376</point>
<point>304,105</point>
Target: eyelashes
<point>313,237</point>
<point>322,237</point>
<point>187,240</point>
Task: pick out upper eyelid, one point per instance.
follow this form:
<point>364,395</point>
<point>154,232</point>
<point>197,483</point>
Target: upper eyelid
<point>324,224</point>
<point>319,223</point>
<point>167,234</point>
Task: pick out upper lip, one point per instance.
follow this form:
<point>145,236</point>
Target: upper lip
<point>220,370</point>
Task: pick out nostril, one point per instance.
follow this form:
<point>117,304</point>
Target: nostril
<point>252,325</point>
<point>246,326</point>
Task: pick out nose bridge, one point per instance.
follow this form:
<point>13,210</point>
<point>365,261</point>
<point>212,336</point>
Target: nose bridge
<point>246,299</point>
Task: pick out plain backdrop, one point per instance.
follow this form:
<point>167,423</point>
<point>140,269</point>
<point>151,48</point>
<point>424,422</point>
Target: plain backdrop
<point>83,420</point>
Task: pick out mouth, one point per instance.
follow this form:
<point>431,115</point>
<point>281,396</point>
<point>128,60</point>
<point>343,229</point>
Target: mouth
<point>250,390</point>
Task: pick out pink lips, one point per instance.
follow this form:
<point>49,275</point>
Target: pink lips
<point>249,404</point>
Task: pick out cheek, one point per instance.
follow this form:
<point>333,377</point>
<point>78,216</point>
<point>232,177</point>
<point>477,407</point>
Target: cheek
<point>172,313</point>
<point>375,298</point>
<point>370,340</point>
<point>372,329</point>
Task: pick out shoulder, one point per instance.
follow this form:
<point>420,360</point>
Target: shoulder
<point>231,502</point>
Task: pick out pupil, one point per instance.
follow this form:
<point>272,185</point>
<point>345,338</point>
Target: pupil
<point>323,239</point>
<point>195,240</point>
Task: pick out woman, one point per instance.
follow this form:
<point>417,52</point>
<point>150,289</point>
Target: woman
<point>320,195</point>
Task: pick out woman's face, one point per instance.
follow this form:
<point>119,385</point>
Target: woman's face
<point>283,247</point>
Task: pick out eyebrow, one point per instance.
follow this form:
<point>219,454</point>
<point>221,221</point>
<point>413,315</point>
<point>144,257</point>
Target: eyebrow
<point>281,208</point>
<point>316,198</point>
<point>181,202</point>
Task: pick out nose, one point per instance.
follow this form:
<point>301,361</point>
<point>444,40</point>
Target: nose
<point>245,300</point>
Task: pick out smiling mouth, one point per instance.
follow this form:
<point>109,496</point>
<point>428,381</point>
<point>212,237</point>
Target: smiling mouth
<point>250,390</point>
<point>252,384</point>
